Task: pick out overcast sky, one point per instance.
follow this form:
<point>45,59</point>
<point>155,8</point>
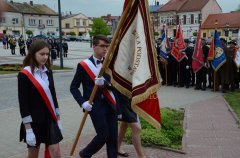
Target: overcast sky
<point>114,7</point>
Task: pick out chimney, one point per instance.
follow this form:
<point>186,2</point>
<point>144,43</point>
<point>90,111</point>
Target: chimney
<point>31,3</point>
<point>11,1</point>
<point>70,13</point>
<point>157,3</point>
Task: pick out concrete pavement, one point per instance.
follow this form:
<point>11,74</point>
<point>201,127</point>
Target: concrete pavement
<point>210,129</point>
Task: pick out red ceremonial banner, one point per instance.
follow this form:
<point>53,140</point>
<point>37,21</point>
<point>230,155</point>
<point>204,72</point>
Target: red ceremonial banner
<point>178,45</point>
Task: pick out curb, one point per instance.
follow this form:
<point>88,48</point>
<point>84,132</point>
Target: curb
<point>232,112</point>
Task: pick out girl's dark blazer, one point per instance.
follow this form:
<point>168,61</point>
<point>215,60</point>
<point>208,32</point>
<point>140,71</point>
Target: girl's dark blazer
<point>30,100</point>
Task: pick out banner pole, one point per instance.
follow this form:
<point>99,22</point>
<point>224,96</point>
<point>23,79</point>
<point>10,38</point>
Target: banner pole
<point>214,84</point>
<point>166,73</point>
<point>105,64</point>
<point>179,74</point>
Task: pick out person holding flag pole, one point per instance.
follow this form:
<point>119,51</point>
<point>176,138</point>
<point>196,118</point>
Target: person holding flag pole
<point>131,62</point>
<point>237,61</point>
<point>178,53</point>
<point>218,60</point>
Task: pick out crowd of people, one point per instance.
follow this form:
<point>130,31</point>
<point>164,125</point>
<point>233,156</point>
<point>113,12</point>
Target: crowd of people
<point>181,73</point>
<point>9,41</point>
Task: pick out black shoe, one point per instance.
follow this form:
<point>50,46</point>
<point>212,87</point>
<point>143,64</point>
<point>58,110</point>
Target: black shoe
<point>197,88</point>
<point>81,154</point>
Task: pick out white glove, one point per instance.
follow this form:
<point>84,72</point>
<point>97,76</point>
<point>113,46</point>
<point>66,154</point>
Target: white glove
<point>99,81</point>
<point>187,67</point>
<point>60,125</point>
<point>87,106</point>
<point>30,137</point>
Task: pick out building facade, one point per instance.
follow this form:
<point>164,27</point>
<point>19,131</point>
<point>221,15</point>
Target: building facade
<point>77,23</point>
<point>189,13</point>
<point>22,17</point>
<point>227,25</point>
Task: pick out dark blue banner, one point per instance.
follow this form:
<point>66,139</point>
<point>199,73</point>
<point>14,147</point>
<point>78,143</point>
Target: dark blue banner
<point>219,55</point>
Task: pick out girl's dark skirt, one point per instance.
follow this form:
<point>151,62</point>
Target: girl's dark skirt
<point>47,132</point>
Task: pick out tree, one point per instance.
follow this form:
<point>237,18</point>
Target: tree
<point>29,33</point>
<point>99,27</point>
<point>72,33</point>
<point>238,9</point>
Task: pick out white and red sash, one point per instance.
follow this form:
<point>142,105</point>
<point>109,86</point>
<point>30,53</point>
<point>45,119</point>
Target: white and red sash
<point>43,89</point>
<point>93,72</point>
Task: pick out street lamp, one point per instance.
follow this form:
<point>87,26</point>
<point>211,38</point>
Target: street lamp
<point>60,32</point>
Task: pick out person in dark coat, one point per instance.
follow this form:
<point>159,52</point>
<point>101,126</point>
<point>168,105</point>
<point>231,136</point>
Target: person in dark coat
<point>38,102</point>
<point>189,74</point>
<point>21,44</point>
<point>103,111</point>
<point>65,49</point>
<point>201,75</point>
<point>224,70</point>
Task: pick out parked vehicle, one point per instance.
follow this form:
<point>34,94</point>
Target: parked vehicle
<point>86,38</point>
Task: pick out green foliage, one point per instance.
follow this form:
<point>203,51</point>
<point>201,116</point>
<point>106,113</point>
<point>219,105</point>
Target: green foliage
<point>234,101</point>
<point>238,9</point>
<point>99,27</point>
<point>29,32</point>
<point>72,33</point>
<point>170,134</point>
<point>14,68</point>
<point>10,67</point>
<point>156,33</point>
<point>195,34</point>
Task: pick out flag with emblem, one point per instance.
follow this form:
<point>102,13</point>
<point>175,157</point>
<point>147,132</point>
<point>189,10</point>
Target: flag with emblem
<point>178,45</point>
<point>165,47</point>
<point>219,55</point>
<point>133,64</point>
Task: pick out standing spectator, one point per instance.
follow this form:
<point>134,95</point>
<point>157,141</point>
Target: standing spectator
<point>21,44</point>
<point>232,66</point>
<point>12,43</point>
<point>28,43</point>
<point>7,40</point>
<point>4,41</point>
<point>38,102</point>
<point>65,49</point>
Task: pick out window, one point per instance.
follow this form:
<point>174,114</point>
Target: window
<point>32,22</point>
<point>49,22</point>
<point>67,26</point>
<point>2,20</point>
<point>84,22</point>
<point>15,20</point>
<point>188,21</point>
<point>40,22</point>
<point>196,20</point>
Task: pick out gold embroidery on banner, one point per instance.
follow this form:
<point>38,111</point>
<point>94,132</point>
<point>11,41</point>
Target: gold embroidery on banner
<point>137,53</point>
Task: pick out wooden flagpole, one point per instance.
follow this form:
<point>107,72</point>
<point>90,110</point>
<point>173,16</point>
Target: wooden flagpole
<point>105,64</point>
<point>214,84</point>
<point>166,72</point>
